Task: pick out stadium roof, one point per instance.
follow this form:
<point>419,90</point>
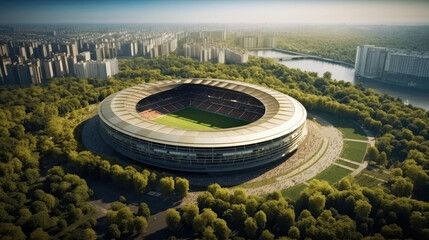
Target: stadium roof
<point>283,115</point>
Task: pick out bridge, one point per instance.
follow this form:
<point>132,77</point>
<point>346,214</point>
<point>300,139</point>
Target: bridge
<point>292,55</point>
<point>285,58</point>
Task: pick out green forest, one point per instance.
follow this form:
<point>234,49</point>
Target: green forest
<point>340,43</point>
<point>43,166</point>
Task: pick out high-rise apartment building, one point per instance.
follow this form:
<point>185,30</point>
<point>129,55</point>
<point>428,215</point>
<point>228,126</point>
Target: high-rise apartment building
<point>395,66</point>
<point>97,69</point>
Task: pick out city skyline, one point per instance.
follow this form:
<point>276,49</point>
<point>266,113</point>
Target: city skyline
<point>390,12</point>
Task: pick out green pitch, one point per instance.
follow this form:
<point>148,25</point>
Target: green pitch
<point>193,118</point>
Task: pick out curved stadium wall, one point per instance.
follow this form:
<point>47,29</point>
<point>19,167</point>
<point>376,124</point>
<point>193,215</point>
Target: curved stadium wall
<point>277,125</point>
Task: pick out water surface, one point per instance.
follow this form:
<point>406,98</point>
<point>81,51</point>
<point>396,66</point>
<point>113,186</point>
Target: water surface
<point>416,97</point>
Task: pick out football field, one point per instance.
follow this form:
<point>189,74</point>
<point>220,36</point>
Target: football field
<point>193,118</point>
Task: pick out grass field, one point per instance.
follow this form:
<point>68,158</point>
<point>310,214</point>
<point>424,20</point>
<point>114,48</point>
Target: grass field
<point>193,118</point>
<point>377,174</point>
<point>347,164</point>
<point>346,126</point>
<point>333,174</point>
<point>354,151</point>
<point>293,192</point>
<point>366,181</point>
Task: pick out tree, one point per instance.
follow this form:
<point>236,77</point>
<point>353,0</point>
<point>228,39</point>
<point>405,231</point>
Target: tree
<point>316,203</point>
<point>208,234</point>
<point>87,233</point>
<point>286,219</point>
<point>327,75</point>
<point>41,220</point>
<point>39,234</point>
<point>382,159</point>
<point>140,224</point>
<point>143,210</point>
<point>167,185</point>
<point>266,235</point>
<point>221,230</point>
<point>402,187</point>
<point>122,199</point>
<point>239,196</point>
<point>76,214</point>
<point>345,184</point>
<point>373,153</point>
<point>391,231</point>
<point>173,219</point>
<point>190,211</point>
<point>11,231</point>
<point>182,186</point>
<point>24,216</point>
<point>293,232</point>
<point>62,224</point>
<point>261,220</point>
<point>113,231</point>
<point>250,227</point>
<point>199,224</point>
<point>362,210</point>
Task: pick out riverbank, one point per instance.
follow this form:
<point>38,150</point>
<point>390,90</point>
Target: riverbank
<point>298,55</point>
<point>417,97</point>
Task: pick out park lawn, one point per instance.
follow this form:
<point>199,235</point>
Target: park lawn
<point>347,164</point>
<point>354,151</point>
<point>366,181</point>
<point>293,192</point>
<point>197,119</point>
<point>347,127</point>
<point>333,174</point>
<point>377,174</point>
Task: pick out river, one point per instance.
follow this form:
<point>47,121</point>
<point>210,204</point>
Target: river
<point>416,97</point>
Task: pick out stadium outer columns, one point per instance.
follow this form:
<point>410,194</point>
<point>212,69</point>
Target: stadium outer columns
<point>269,137</point>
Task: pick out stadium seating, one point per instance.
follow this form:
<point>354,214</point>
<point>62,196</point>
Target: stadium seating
<point>221,101</point>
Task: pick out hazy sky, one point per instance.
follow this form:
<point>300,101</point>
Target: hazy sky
<point>220,11</point>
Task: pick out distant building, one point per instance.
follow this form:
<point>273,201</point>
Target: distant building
<point>3,67</point>
<point>80,70</point>
<point>218,35</point>
<point>1,78</point>
<point>370,61</point>
<point>248,41</point>
<point>204,53</point>
<point>47,70</point>
<point>269,42</point>
<point>256,42</point>
<point>24,74</point>
<point>84,56</point>
<point>42,51</point>
<point>71,62</point>
<point>96,69</point>
<point>4,51</point>
<point>236,56</point>
<point>395,66</point>
<point>73,49</point>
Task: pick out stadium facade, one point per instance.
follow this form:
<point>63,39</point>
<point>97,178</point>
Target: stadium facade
<point>277,125</point>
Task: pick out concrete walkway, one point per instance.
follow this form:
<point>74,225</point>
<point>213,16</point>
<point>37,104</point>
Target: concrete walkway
<point>356,140</point>
<point>350,161</point>
<point>361,167</point>
<point>326,156</point>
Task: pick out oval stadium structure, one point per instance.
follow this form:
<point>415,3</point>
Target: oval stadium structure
<point>271,125</point>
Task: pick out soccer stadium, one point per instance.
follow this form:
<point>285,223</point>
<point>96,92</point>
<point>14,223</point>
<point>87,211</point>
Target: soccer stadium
<point>202,125</point>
